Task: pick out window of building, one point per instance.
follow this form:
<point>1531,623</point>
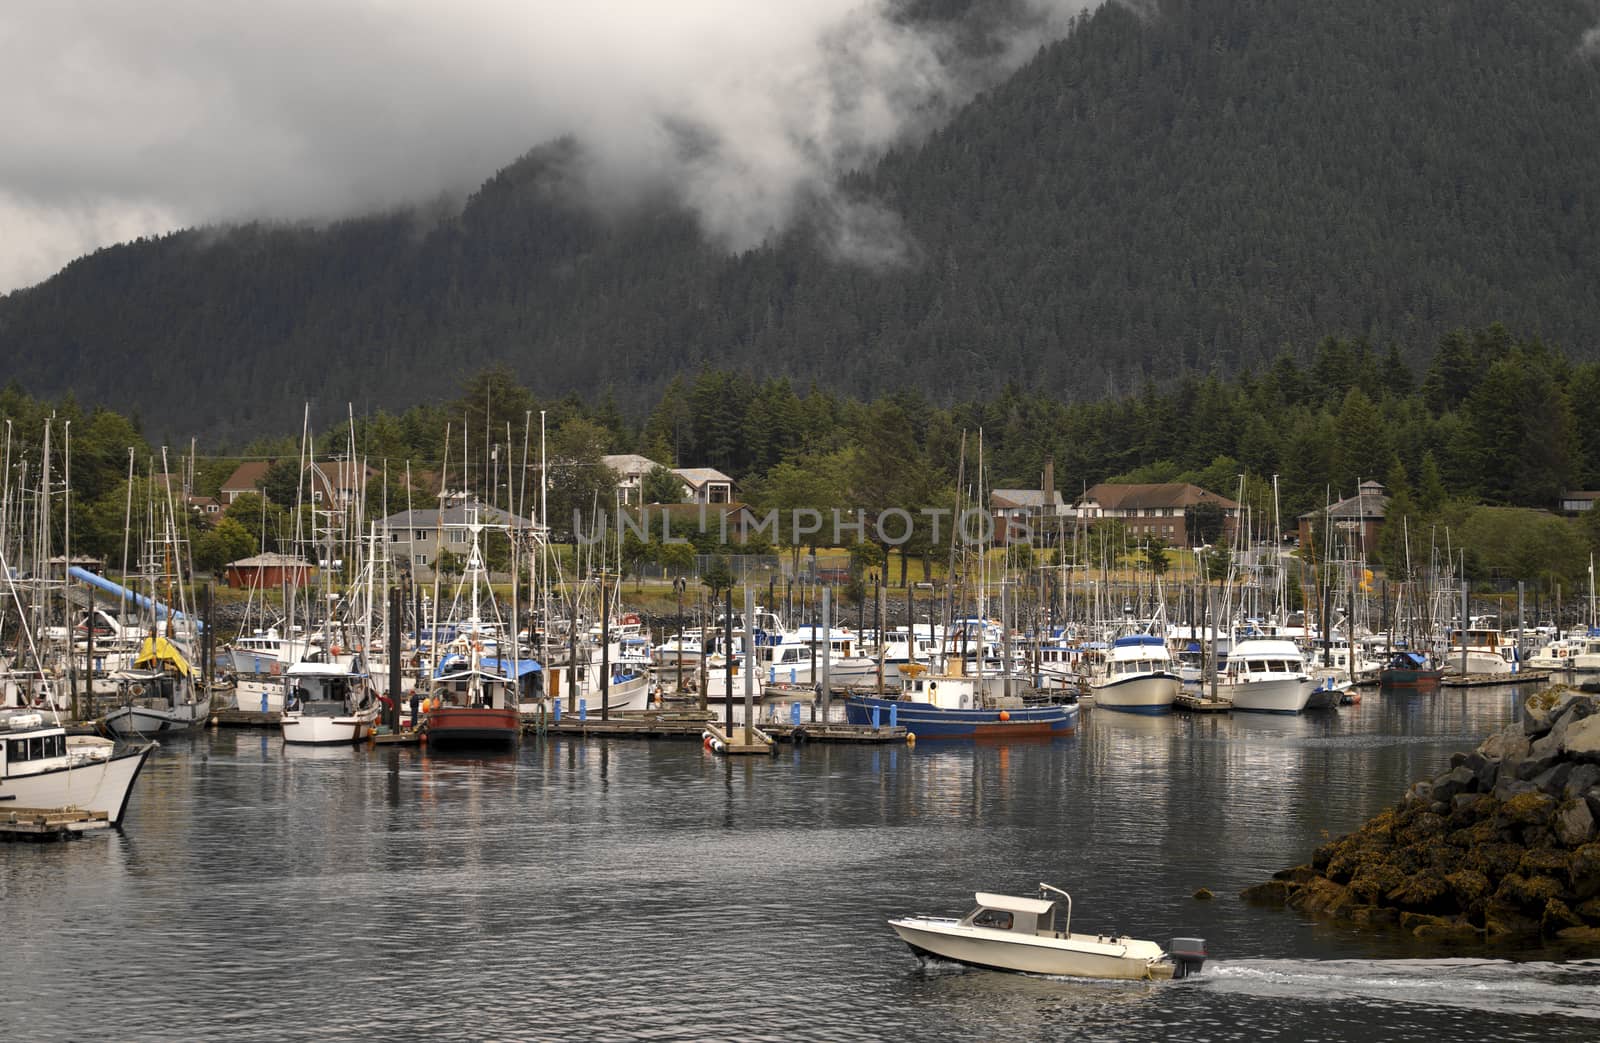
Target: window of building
<point>419,559</point>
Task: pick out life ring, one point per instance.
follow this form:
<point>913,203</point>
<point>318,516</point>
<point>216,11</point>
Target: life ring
<point>136,689</point>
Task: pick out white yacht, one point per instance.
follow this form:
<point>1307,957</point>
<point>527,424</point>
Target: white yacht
<point>1034,935</point>
<point>1139,676</point>
<point>1266,675</point>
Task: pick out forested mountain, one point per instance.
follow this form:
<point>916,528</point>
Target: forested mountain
<point>1180,185</point>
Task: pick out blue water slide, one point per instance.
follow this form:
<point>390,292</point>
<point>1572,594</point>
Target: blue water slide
<point>120,592</point>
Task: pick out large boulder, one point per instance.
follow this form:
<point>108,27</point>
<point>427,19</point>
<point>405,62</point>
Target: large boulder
<point>1469,887</point>
<point>1580,740</point>
<point>1425,891</point>
<point>1574,823</point>
<point>1509,743</point>
<point>1581,779</point>
<point>1541,709</point>
<point>1493,860</point>
<point>1500,846</point>
<point>1528,893</point>
<point>1558,917</point>
<point>1273,892</point>
<point>1583,871</point>
<point>1504,921</point>
<point>1452,782</point>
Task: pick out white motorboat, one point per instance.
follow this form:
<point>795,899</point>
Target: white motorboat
<point>41,766</point>
<point>1034,936</point>
<point>1487,653</point>
<point>1266,675</point>
<point>1139,677</point>
<point>329,703</point>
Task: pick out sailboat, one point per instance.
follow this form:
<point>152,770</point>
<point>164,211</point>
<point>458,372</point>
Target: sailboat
<point>473,696</point>
<point>158,693</point>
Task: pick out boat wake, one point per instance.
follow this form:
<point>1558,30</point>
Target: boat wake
<point>1568,989</point>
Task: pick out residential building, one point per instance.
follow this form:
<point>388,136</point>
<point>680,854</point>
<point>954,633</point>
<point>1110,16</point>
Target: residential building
<point>1153,509</point>
<point>631,469</point>
<point>1359,516</point>
<point>1576,502</point>
<point>416,537</point>
<point>1021,513</point>
<point>334,483</point>
<point>705,485</point>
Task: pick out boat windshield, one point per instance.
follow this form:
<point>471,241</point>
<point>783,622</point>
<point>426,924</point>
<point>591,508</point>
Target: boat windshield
<point>993,919</point>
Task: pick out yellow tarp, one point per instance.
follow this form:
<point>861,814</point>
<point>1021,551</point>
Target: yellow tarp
<point>160,650</point>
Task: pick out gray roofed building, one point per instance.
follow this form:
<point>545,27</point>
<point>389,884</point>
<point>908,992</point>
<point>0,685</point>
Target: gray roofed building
<point>706,484</point>
<point>417,536</point>
<point>631,469</point>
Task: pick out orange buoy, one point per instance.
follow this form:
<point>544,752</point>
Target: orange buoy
<point>1005,715</point>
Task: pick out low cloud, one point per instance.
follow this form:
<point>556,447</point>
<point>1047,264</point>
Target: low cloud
<point>141,118</point>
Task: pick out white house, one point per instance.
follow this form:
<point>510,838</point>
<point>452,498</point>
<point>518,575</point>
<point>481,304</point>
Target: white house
<point>705,485</point>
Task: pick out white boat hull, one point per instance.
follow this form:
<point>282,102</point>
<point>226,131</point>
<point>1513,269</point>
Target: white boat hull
<point>91,783</point>
<point>138,720</point>
<point>632,694</point>
<point>1151,693</point>
<point>1490,664</point>
<point>1079,956</point>
<point>1276,695</point>
<point>258,696</point>
<point>317,730</point>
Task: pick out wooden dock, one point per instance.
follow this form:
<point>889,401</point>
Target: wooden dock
<point>1200,704</point>
<point>245,719</point>
<point>732,741</point>
<point>1490,680</point>
<point>691,725</point>
<point>401,738</point>
<point>46,824</point>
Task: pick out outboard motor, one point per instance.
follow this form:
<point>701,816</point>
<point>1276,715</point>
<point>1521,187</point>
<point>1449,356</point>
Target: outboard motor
<point>1188,956</point>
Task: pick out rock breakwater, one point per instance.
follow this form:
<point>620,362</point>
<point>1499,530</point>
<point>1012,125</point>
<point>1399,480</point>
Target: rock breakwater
<point>1500,847</point>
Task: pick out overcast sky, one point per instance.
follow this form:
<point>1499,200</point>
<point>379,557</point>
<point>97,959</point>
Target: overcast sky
<point>126,118</point>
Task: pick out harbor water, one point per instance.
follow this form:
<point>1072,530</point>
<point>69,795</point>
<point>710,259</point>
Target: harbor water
<point>654,890</point>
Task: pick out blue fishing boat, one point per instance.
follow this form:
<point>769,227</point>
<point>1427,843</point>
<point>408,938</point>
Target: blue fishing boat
<point>959,706</point>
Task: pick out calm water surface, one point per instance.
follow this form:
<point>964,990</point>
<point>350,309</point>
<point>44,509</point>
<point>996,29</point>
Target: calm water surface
<point>655,891</point>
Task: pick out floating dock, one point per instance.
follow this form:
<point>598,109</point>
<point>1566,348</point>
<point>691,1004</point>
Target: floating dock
<point>1489,680</point>
<point>46,824</point>
<point>733,741</point>
<point>245,719</point>
<point>1200,704</point>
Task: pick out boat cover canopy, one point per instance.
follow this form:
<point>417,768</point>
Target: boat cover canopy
<point>156,650</point>
<point>1131,640</point>
<point>1012,904</point>
<point>489,665</point>
<point>1409,659</point>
